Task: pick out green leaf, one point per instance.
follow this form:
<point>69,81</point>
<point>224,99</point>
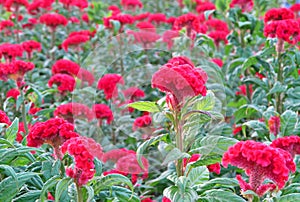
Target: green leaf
<point>50,168</point>
<point>49,184</point>
<point>105,182</point>
<point>246,111</point>
<point>62,186</point>
<point>277,88</point>
<point>9,171</point>
<point>220,196</point>
<point>32,195</point>
<point>207,160</point>
<point>124,194</point>
<point>206,103</point>
<point>142,148</point>
<point>288,122</point>
<point>173,155</point>
<point>257,126</point>
<point>145,106</point>
<point>98,166</point>
<point>219,183</point>
<point>12,131</point>
<point>249,62</point>
<point>90,192</point>
<point>290,198</point>
<point>197,175</point>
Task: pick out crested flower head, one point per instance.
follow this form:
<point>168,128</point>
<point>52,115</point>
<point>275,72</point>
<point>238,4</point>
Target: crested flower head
<point>53,20</point>
<point>102,112</point>
<point>108,83</point>
<point>290,144</point>
<point>71,111</point>
<point>65,83</point>
<point>65,67</point>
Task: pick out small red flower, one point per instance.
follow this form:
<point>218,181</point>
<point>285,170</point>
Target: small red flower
<point>30,46</point>
<point>275,14</point>
<point>141,122</point>
<point>146,38</point>
<point>236,129</point>
<point>71,111</point>
<point>245,5</point>
<point>168,37</point>
<point>13,93</point>
<point>5,24</point>
<point>11,51</point>
<point>157,18</point>
<point>214,168</point>
<point>122,18</point>
<point>108,83</point>
<point>53,20</point>
<point>131,4</point>
<point>218,62</point>
<point>274,125</point>
<point>65,83</point>
<point>243,90</point>
<point>133,93</point>
<point>86,76</point>
<point>114,9</point>
<point>74,20</point>
<point>102,111</point>
<point>165,199</point>
<point>85,18</point>
<point>146,26</point>
<point>37,5</point>
<point>65,67</point>
<point>205,6</point>
<point>15,4</point>
<point>75,42</point>
<point>290,144</point>
<point>4,118</point>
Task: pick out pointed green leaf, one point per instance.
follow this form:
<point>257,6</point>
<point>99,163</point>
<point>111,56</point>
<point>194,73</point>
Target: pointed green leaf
<point>145,106</point>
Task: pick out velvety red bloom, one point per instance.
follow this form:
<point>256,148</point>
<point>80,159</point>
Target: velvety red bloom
<point>169,36</point>
<point>142,16</point>
<point>131,4</point>
<point>65,67</point>
<point>275,14</point>
<point>205,6</point>
<point>236,130</point>
<point>146,38</point>
<point>35,7</point>
<point>243,90</point>
<point>122,18</point>
<point>114,9</point>
<point>290,144</point>
<point>146,200</point>
<point>86,76</point>
<point>287,30</point>
<point>50,197</point>
<point>108,83</point>
<point>11,51</point>
<point>295,7</point>
<point>165,199</point>
<point>83,150</point>
<point>4,24</point>
<point>260,162</point>
<point>53,20</point>
<point>71,111</point>
<point>181,60</point>
<point>179,79</point>
<point>30,46</point>
<point>142,122</point>
<point>115,154</point>
<point>75,42</point>
<point>245,5</point>
<point>15,4</point>
<point>259,75</point>
<point>217,25</point>
<point>18,68</point>
<point>146,26</point>
<point>218,62</point>
<point>83,32</point>
<point>218,36</point>
<point>113,172</point>
<point>274,125</point>
<point>214,168</point>
<point>33,109</point>
<point>13,93</point>
<point>30,24</point>
<point>21,132</point>
<point>157,18</point>
<point>4,118</point>
<point>85,18</point>
<point>133,93</point>
<point>65,83</point>
<point>82,4</point>
<point>74,20</point>
<point>102,112</point>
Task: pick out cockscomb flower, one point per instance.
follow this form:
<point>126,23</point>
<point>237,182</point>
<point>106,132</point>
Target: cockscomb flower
<point>180,80</point>
<point>216,168</point>
<point>30,24</point>
<point>84,150</point>
<point>37,5</point>
<point>65,83</point>
<point>146,199</point>
<point>165,199</point>
<point>218,62</point>
<point>122,18</point>
<point>54,132</point>
<point>115,154</point>
<point>219,36</point>
<point>85,18</point>
<point>102,112</point>
<point>205,6</point>
<point>6,24</point>
<point>74,20</point>
<point>53,20</point>
<point>133,93</point>
<point>275,14</point>
<point>76,42</point>
<point>131,4</point>
<point>245,5</point>
<point>108,83</point>
<point>86,76</point>
<point>21,132</point>
<point>260,162</point>
<point>81,4</point>
<point>83,32</point>
<point>217,25</point>
<point>290,144</point>
<point>4,118</point>
<point>11,51</point>
<point>274,125</point>
<point>146,38</point>
<point>18,68</point>
<point>64,66</point>
<point>236,129</point>
<point>146,26</point>
<point>168,37</point>
<point>30,46</point>
<point>14,93</point>
<point>72,111</point>
<point>142,16</point>
<point>114,9</point>
<point>157,18</point>
<point>141,122</point>
<point>15,4</point>
<point>243,90</point>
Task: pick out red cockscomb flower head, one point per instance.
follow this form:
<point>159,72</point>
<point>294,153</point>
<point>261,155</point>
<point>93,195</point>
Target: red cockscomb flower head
<point>65,67</point>
<point>21,132</point>
<point>6,24</point>
<point>141,122</point>
<point>146,200</point>
<point>86,76</point>
<point>65,83</point>
<point>218,36</point>
<point>146,26</point>
<point>18,68</point>
<point>53,20</point>
<point>205,6</point>
<point>122,18</point>
<point>74,20</point>
<point>260,162</point>
<point>146,38</point>
<point>83,150</point>
<point>30,46</point>
<point>217,25</point>
<point>76,42</point>
<point>114,172</point>
<point>157,18</point>
<point>287,30</point>
<point>114,9</point>
<point>245,5</point>
<point>102,112</point>
<point>275,14</point>
<point>54,132</point>
<point>274,125</point>
<point>133,93</point>
<point>290,144</point>
<point>14,5</point>
<point>165,199</point>
<point>142,16</point>
<point>14,93</point>
<point>11,51</point>
<point>14,17</point>
<point>30,24</point>
<point>296,8</point>
<point>115,154</point>
<point>83,32</point>
<point>85,18</point>
<point>33,110</point>
<point>35,7</point>
<point>243,90</point>
<point>214,168</point>
<point>168,37</point>
<point>180,80</point>
<point>259,75</point>
<point>236,129</point>
<point>108,83</point>
<point>3,71</point>
<point>218,62</point>
<point>72,111</point>
<point>81,4</point>
<point>131,4</point>
<point>4,118</point>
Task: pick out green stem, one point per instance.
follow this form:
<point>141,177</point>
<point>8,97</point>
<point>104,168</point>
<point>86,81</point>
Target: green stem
<point>24,112</point>
<point>121,54</point>
<point>79,193</point>
<point>179,143</point>
<point>52,44</point>
<point>248,86</point>
<point>279,101</point>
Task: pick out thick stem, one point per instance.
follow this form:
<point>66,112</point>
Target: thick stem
<point>52,43</point>
<point>24,112</point>
<point>79,193</point>
<point>279,101</point>
<point>248,89</point>
<point>179,143</point>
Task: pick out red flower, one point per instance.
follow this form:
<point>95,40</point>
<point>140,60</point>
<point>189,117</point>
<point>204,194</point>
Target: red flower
<point>35,7</point>
<point>217,25</point>
<point>275,14</point>
<point>218,62</point>
<point>142,16</point>
<point>274,125</point>
<point>259,75</point>
<point>75,42</point>
<point>214,168</point>
<point>179,79</point>
<point>108,83</point>
<point>65,83</point>
<point>133,93</point>
<point>15,4</point>
<point>65,67</point>
<point>83,149</point>
<point>102,111</point>
<point>53,20</point>
<point>218,36</point>
<point>4,118</point>
<point>86,76</point>
<point>290,144</point>
<point>295,7</point>
<point>4,24</point>
<point>245,5</point>
<point>157,18</point>
<point>82,4</point>
<point>71,111</point>
<point>243,90</point>
<point>115,154</point>
<point>21,132</point>
<point>205,6</point>
<point>13,93</point>
<point>122,18</point>
<point>146,200</point>
<point>11,51</point>
<point>74,20</point>
<point>165,199</point>
<point>146,38</point>
<point>18,68</point>
<point>85,18</point>
<point>114,9</point>
<point>142,122</point>
<point>169,36</point>
<point>146,26</point>
<point>83,32</point>
<point>131,4</point>
<point>30,24</point>
<point>260,162</point>
<point>236,129</point>
<point>30,46</point>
